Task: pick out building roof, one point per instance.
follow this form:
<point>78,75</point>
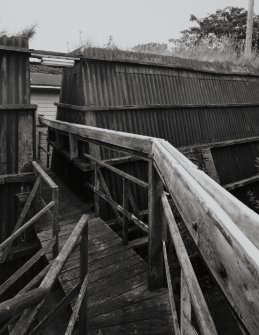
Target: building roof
<point>46,80</point>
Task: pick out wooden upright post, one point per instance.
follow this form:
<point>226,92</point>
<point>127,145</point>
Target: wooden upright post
<point>155,248</point>
<point>249,29</point>
<point>96,196</point>
<point>82,327</point>
<point>125,206</point>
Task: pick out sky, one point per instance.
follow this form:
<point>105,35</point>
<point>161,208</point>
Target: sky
<point>62,24</point>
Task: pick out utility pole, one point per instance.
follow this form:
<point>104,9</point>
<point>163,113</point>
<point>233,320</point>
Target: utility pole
<point>249,29</point>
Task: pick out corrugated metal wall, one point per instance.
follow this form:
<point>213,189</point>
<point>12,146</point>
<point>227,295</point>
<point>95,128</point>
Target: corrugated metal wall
<point>14,72</point>
<point>98,83</point>
<point>180,126</point>
<point>186,102</point>
<point>17,125</point>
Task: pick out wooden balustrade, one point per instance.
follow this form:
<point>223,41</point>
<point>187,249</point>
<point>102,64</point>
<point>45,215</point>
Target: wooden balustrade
<point>28,301</point>
<point>20,226</point>
<point>220,224</point>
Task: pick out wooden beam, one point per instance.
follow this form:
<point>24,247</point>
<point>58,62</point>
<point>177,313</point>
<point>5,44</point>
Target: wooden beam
<point>241,183</point>
<point>21,217</point>
<point>216,220</point>
<point>114,204</point>
<point>28,315</point>
<point>11,238</point>
<point>212,145</point>
<point>81,306</point>
<point>39,171</point>
<point>155,251</point>
<point>73,147</point>
<point>138,143</point>
<point>108,194</point>
<point>17,275</point>
<point>138,242</point>
<point>17,178</point>
<point>170,292</point>
<point>117,171</point>
<point>199,304</point>
<point>55,311</point>
<point>16,305</point>
<point>77,307</point>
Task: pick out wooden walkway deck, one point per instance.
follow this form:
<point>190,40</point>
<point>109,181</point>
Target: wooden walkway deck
<point>119,301</point>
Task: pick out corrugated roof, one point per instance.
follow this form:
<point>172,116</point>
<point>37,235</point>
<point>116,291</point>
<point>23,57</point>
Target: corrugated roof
<point>163,61</point>
<point>44,79</point>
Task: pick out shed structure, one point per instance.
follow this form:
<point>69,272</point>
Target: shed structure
<point>210,111</point>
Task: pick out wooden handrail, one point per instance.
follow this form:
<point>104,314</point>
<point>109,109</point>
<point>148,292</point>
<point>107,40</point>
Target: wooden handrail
<point>199,304</point>
<point>29,314</point>
<point>26,225</point>
<point>19,303</point>
<point>39,171</point>
<point>219,223</point>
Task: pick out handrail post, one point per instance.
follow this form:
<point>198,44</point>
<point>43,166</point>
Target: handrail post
<point>97,186</point>
<point>125,206</point>
<point>48,149</point>
<point>82,327</point>
<point>186,307</point>
<point>155,250</point>
<point>55,226</point>
<point>39,142</point>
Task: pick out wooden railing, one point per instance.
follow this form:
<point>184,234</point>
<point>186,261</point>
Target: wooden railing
<point>42,148</point>
<point>24,307</point>
<point>51,208</point>
<point>224,230</point>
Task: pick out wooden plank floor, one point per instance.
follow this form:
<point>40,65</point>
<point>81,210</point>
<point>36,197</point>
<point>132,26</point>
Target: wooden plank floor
<point>119,301</point>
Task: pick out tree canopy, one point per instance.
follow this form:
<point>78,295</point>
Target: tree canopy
<point>230,21</point>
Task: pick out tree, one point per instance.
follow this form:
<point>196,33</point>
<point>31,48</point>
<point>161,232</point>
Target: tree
<point>230,21</point>
<point>152,47</point>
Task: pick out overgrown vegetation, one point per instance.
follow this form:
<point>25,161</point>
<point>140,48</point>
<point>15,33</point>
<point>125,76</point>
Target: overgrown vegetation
<point>27,32</point>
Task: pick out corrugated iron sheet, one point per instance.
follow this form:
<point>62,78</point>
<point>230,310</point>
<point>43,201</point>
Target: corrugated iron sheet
<point>14,72</point>
<point>180,126</point>
<point>96,83</point>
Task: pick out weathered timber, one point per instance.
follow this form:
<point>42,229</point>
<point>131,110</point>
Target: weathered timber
<point>199,304</point>
<point>39,171</point>
<point>170,292</point>
<point>130,216</point>
<point>108,194</point>
<point>21,217</point>
<point>117,276</point>
<point>139,242</point>
<point>226,228</point>
<point>241,183</point>
<point>17,178</point>
<point>55,311</point>
<point>138,143</point>
<point>117,171</point>
<point>81,304</point>
<point>77,307</point>
<point>155,252</point>
<point>16,276</point>
<point>26,225</point>
<point>16,305</point>
<point>29,315</point>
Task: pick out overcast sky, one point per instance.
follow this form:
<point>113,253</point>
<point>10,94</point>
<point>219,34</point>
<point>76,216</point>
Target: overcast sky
<point>130,22</point>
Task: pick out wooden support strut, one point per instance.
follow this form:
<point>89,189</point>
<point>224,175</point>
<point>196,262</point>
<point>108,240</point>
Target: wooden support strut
<point>155,251</point>
<point>114,204</point>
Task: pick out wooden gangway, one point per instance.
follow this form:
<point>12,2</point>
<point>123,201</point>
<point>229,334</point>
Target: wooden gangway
<point>224,230</point>
<point>119,301</point>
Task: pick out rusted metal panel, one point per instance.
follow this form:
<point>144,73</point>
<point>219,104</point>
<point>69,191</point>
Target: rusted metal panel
<point>94,82</point>
<point>14,72</point>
